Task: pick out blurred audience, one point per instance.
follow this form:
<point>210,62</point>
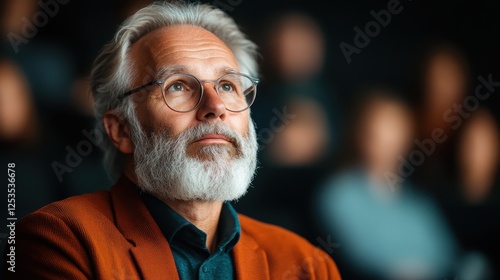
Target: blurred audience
<point>58,105</point>
<point>24,141</point>
<point>461,173</point>
<point>473,206</point>
<point>294,51</point>
<point>49,66</point>
<point>386,227</point>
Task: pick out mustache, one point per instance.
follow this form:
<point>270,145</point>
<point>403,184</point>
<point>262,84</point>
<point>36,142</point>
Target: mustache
<point>194,133</point>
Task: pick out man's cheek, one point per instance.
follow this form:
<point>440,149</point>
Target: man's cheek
<point>241,125</point>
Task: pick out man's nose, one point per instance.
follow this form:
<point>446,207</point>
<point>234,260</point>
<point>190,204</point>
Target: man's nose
<point>211,105</point>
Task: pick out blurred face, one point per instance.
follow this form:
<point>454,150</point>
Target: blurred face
<point>206,154</point>
<point>15,103</point>
<point>303,140</point>
<point>14,11</point>
<point>445,82</point>
<point>297,48</point>
<point>479,147</point>
<point>386,135</point>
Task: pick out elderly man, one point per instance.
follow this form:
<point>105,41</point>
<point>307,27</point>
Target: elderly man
<point>172,91</point>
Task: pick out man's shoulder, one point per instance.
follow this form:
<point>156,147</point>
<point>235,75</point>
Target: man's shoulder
<point>290,255</point>
<point>96,204</point>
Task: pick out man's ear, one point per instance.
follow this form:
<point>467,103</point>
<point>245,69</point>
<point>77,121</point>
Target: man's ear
<point>119,132</point>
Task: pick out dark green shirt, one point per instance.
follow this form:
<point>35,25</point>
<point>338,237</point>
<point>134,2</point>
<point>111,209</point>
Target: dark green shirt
<point>188,243</point>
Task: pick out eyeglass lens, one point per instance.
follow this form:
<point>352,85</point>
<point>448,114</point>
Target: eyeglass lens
<point>183,92</point>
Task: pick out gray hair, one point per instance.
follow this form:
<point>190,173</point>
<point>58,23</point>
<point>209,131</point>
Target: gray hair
<point>112,74</point>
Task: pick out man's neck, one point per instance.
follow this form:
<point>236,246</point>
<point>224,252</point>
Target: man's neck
<point>203,214</point>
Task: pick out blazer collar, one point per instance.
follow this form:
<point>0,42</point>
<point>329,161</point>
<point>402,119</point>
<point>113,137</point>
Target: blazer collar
<point>150,249</point>
<point>250,260</point>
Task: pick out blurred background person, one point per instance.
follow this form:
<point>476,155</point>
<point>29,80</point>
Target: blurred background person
<point>442,83</point>
<point>386,227</point>
<point>19,125</point>
<point>473,205</point>
<point>38,47</point>
<point>43,57</point>
<point>293,48</point>
<point>303,141</point>
<point>296,118</point>
<point>36,73</point>
<point>25,142</point>
<point>478,157</point>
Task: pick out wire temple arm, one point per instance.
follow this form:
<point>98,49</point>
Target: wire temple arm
<point>137,89</point>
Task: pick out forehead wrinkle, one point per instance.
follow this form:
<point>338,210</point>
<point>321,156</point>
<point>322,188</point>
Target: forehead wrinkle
<point>193,68</point>
<point>215,41</point>
<point>167,46</point>
<point>163,43</point>
<point>189,69</point>
<point>177,50</point>
<point>181,54</point>
<point>157,49</point>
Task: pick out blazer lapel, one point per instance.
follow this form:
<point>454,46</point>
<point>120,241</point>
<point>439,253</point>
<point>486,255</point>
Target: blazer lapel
<point>150,250</point>
<point>250,260</point>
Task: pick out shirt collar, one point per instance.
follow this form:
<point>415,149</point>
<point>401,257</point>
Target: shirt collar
<point>229,228</point>
<point>176,228</point>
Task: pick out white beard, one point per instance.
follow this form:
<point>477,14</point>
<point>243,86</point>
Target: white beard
<point>216,172</point>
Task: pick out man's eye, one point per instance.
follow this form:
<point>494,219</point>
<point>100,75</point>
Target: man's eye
<point>227,87</point>
<point>176,87</point>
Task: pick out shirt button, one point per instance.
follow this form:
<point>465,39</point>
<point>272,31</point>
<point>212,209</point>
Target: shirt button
<point>205,269</point>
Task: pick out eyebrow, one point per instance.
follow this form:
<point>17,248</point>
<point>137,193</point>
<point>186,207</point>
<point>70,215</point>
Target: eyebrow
<point>169,70</point>
<point>180,69</point>
<point>227,70</point>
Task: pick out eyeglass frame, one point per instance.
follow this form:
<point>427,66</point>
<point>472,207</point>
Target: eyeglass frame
<point>255,82</point>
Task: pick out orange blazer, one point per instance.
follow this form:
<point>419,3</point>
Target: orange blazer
<point>111,235</point>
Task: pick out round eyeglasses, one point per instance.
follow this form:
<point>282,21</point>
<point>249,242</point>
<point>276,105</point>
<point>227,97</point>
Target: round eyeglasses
<point>183,92</point>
